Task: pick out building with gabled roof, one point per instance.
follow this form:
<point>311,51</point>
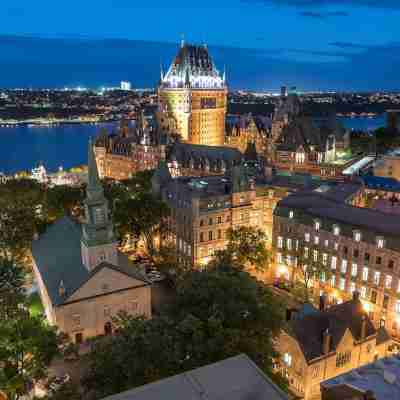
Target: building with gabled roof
<point>82,277</point>
<point>319,344</point>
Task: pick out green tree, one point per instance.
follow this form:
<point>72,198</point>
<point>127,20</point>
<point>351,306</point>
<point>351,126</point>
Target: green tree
<point>219,312</point>
<point>27,347</point>
<point>247,246</point>
<point>12,293</point>
<point>143,216</point>
<point>61,200</point>
<point>307,271</point>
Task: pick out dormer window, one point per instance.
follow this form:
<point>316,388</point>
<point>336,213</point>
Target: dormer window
<point>291,214</point>
<point>380,242</point>
<point>357,236</point>
<point>317,225</point>
<point>336,230</point>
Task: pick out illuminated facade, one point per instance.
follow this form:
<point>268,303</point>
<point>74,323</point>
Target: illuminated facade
<point>194,94</point>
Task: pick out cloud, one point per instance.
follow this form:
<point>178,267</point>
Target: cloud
<point>392,4</point>
<point>323,15</point>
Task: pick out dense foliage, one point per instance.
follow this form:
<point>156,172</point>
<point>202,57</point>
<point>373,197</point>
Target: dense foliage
<point>219,312</point>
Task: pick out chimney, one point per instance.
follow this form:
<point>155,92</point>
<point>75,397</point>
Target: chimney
<point>326,341</point>
<point>61,289</point>
<point>356,295</point>
<point>322,303</point>
<point>369,395</point>
<point>363,333</point>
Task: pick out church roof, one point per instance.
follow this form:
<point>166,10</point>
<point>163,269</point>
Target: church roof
<point>57,255</point>
<point>193,66</point>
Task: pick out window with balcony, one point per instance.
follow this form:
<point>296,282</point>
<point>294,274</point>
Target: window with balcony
<point>357,236</point>
<point>336,230</point>
<point>315,255</point>
<point>280,242</point>
<point>377,277</point>
<point>343,268</point>
<point>363,292</point>
<point>388,281</point>
<point>289,244</point>
<point>325,259</point>
<point>365,274</point>
<point>333,262</point>
<point>354,270</point>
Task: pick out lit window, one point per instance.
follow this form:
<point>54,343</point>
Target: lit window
<point>323,276</point>
<point>333,280</point>
<point>336,230</point>
<point>398,287</point>
<point>325,259</point>
<point>365,274</point>
<point>287,359</point>
<point>305,252</point>
<point>307,237</point>
<point>333,262</point>
<point>377,277</point>
<point>317,225</point>
<point>363,292</point>
<point>352,287</point>
<point>388,281</point>
<point>291,214</point>
<point>342,283</point>
<point>289,244</point>
<point>397,306</point>
<point>326,243</point>
<point>280,242</point>
<point>354,269</point>
<point>380,242</point>
<point>316,240</point>
<point>279,258</point>
<point>336,246</point>
<point>343,268</point>
<point>357,236</point>
<point>315,255</point>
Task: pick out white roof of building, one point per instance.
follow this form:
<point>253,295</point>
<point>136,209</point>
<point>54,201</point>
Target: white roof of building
<point>236,378</point>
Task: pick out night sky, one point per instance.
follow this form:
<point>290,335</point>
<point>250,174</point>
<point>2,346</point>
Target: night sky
<point>314,44</point>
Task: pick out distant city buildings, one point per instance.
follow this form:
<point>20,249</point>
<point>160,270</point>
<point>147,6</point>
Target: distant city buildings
<point>125,85</point>
<point>388,165</point>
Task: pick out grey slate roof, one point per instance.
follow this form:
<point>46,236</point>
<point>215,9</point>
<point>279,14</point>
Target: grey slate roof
<point>308,329</point>
<point>236,378</point>
<point>57,254</point>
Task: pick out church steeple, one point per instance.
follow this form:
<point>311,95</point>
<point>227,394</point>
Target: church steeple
<point>98,241</point>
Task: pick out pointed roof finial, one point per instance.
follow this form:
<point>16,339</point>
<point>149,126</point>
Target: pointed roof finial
<point>93,173</point>
<point>187,78</point>
<point>161,71</point>
<point>224,74</point>
<point>182,40</point>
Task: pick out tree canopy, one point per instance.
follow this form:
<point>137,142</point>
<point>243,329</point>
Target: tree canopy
<point>219,312</point>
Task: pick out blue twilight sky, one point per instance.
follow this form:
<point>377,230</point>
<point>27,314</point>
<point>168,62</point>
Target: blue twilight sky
<point>314,44</point>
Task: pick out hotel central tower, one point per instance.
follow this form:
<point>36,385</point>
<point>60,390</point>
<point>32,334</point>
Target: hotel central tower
<point>194,94</point>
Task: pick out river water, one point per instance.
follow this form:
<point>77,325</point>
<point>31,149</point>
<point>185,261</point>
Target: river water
<point>24,147</point>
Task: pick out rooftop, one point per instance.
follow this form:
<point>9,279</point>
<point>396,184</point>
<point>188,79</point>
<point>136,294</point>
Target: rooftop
<point>381,377</point>
<point>236,378</point>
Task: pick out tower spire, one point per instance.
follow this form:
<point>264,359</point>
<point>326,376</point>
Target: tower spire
<point>224,74</point>
<point>161,72</point>
<point>182,40</point>
<point>94,184</point>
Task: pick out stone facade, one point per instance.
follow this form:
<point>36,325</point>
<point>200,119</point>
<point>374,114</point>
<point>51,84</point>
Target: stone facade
<point>360,247</point>
<point>319,345</point>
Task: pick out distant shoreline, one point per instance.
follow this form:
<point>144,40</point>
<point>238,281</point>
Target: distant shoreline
<point>39,124</point>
